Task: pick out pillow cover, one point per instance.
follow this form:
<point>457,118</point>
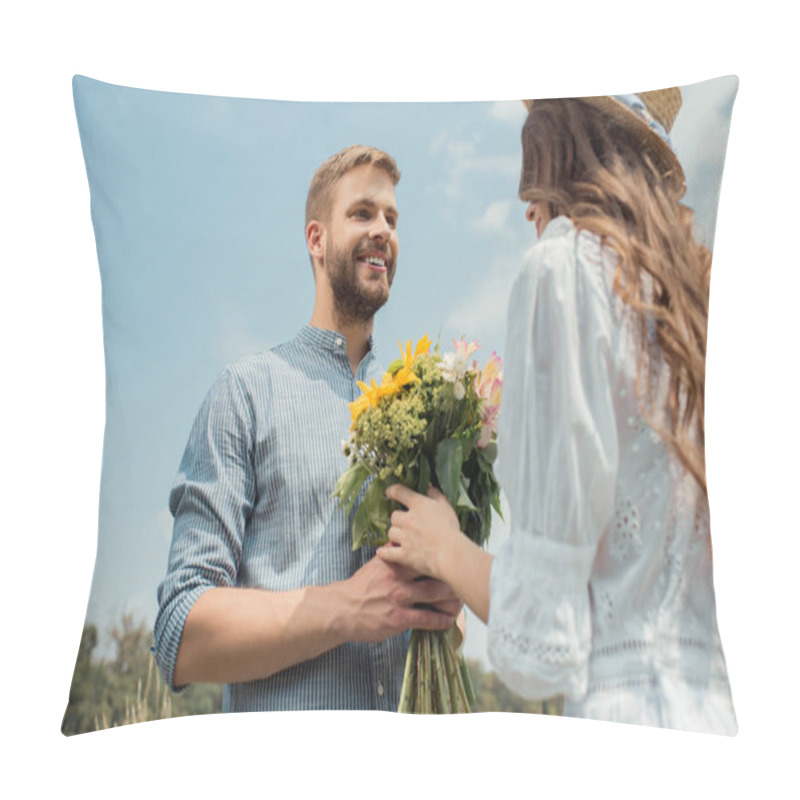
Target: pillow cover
<point>198,207</point>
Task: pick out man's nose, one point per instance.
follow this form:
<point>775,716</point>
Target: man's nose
<point>380,228</point>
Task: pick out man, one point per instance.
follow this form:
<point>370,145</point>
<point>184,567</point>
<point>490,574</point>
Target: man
<point>263,591</point>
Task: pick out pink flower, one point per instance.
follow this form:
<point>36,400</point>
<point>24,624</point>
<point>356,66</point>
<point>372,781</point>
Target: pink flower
<point>489,419</point>
<point>489,381</point>
<point>489,388</point>
<point>464,350</point>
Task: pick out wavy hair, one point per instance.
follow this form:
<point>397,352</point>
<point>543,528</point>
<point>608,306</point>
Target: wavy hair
<point>585,166</point>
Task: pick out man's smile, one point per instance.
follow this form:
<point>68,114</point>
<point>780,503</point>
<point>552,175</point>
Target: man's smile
<point>374,260</point>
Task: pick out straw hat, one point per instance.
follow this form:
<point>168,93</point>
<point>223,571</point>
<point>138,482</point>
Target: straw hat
<point>651,120</point>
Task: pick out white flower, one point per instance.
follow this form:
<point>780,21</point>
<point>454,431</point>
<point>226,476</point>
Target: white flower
<point>448,367</point>
<point>454,367</point>
<point>459,390</point>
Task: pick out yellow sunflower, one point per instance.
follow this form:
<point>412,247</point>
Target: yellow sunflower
<point>391,384</point>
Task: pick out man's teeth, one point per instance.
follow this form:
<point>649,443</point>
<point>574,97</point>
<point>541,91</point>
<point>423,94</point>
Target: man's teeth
<point>378,262</point>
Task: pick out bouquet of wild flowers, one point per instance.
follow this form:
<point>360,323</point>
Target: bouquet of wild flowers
<point>431,422</point>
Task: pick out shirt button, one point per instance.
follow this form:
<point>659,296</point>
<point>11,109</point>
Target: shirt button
<point>380,690</point>
<point>338,342</point>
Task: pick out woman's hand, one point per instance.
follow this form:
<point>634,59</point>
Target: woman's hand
<point>426,536</point>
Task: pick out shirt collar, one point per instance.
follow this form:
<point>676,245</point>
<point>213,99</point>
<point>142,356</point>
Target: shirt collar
<point>321,339</point>
<point>557,227</point>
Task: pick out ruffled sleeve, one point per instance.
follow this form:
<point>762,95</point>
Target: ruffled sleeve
<point>558,464</point>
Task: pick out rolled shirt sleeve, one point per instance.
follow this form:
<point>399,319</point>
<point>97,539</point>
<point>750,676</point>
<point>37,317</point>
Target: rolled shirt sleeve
<point>210,501</point>
<point>558,464</point>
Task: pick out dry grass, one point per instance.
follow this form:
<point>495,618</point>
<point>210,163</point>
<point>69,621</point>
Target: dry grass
<point>152,701</point>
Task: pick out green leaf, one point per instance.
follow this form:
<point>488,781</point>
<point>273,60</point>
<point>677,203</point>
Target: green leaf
<point>473,527</point>
<point>395,366</point>
<point>489,453</point>
<point>360,523</point>
<point>484,529</point>
<point>448,468</point>
<point>377,513</point>
<point>349,485</point>
<point>424,482</point>
<point>463,498</point>
<point>371,520</point>
<point>496,503</point>
<point>468,444</point>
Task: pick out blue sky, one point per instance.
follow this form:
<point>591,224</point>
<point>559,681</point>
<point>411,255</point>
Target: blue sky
<point>198,204</point>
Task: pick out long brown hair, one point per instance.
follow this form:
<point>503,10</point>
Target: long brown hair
<point>591,169</point>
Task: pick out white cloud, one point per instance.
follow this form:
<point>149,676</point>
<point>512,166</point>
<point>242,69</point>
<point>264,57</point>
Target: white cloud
<point>509,111</point>
<point>462,157</point>
<point>439,141</point>
<point>483,311</point>
<point>495,218</point>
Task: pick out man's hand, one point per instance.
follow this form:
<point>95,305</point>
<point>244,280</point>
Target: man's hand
<point>384,600</point>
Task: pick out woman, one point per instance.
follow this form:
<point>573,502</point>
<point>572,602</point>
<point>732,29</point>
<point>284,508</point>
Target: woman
<point>603,592</point>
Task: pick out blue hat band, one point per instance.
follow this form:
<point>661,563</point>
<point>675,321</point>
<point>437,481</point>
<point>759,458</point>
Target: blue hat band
<point>635,104</point>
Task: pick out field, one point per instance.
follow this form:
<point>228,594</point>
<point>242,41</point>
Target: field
<point>127,687</point>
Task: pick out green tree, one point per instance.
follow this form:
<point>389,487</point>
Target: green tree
<point>89,683</point>
<point>127,688</point>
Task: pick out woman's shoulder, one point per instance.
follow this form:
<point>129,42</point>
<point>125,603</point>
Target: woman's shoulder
<point>568,256</point>
<point>555,244</point>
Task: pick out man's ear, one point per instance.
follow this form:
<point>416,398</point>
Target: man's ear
<point>315,239</point>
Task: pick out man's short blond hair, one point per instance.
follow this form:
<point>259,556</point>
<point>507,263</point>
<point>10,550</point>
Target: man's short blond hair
<point>320,193</point>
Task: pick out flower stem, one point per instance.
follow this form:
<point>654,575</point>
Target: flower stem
<point>436,679</point>
<point>418,678</point>
<point>407,694</point>
<point>467,680</point>
<point>426,676</point>
<point>456,685</point>
<point>442,685</point>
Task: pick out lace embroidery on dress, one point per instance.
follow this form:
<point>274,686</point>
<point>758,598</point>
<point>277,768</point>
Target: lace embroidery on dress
<point>553,641</point>
<point>606,610</point>
<point>653,682</point>
<point>549,652</point>
<point>663,639</point>
<point>626,538</point>
<point>688,518</point>
<point>638,424</point>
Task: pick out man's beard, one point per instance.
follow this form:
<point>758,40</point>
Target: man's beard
<point>354,300</point>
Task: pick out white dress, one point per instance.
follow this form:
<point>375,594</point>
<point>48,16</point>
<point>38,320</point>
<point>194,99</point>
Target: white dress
<point>603,591</point>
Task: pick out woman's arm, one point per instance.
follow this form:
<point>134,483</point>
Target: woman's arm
<point>428,539</point>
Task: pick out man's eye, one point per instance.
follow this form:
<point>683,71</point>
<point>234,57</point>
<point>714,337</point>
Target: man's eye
<point>362,213</point>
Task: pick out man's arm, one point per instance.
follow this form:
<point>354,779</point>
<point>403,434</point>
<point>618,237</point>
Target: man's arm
<point>237,634</point>
<point>210,630</point>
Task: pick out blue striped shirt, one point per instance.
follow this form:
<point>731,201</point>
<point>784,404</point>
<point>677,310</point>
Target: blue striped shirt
<point>252,508</point>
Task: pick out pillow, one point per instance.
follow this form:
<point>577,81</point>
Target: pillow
<point>198,207</point>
